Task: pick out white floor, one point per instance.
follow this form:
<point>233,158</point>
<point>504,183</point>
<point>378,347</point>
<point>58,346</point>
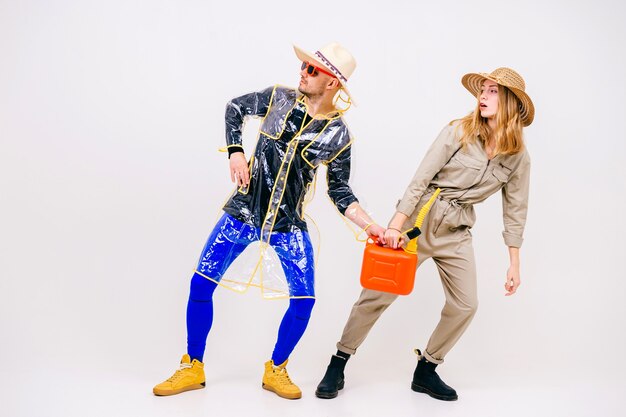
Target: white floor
<point>84,389</point>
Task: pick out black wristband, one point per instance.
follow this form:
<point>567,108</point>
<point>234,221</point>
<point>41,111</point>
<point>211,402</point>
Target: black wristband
<point>234,149</point>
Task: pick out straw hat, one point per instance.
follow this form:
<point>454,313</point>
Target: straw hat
<point>333,57</point>
<point>511,80</point>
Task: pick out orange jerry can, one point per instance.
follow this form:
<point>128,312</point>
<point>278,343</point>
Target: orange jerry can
<point>393,270</point>
<point>387,269</point>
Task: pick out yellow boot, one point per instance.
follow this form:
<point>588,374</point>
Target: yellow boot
<point>189,376</point>
<point>276,379</point>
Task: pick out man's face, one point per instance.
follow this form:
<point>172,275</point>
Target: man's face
<point>313,82</point>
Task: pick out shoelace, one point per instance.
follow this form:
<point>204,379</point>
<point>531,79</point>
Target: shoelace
<point>179,374</point>
<point>282,372</point>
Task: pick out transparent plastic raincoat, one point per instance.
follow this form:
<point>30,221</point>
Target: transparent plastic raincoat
<point>269,212</point>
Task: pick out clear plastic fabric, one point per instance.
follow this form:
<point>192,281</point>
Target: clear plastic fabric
<point>291,252</point>
<point>290,147</point>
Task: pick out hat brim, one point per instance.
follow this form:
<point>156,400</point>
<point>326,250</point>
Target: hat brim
<point>305,56</point>
<point>473,83</point>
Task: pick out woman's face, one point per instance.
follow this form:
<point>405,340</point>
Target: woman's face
<point>488,99</point>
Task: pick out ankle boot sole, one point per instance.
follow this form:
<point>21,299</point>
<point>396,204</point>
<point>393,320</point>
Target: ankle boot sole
<point>165,393</point>
<point>328,395</point>
<point>417,388</point>
<point>289,396</point>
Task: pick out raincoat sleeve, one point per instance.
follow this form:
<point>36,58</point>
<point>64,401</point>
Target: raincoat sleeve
<point>253,104</point>
<point>515,204</point>
<point>439,153</point>
<point>338,174</point>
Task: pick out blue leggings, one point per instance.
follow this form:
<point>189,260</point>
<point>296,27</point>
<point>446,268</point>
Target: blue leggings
<point>200,319</point>
<point>230,237</point>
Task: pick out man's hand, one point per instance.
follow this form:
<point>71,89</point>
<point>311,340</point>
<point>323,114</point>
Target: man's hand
<point>239,172</point>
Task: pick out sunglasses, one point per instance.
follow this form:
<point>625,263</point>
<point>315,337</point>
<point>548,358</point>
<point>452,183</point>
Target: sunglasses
<point>312,70</point>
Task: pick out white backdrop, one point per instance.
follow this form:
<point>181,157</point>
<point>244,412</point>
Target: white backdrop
<point>111,113</point>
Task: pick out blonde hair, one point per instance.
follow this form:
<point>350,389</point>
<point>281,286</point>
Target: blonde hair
<point>508,131</point>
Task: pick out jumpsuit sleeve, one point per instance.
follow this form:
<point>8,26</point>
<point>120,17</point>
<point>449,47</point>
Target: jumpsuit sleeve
<point>515,204</point>
<point>237,109</point>
<point>439,153</point>
<point>337,176</point>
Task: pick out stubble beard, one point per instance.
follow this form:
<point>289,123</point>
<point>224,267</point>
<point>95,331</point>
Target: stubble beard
<point>310,95</point>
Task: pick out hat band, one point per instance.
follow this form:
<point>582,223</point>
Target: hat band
<point>331,66</point>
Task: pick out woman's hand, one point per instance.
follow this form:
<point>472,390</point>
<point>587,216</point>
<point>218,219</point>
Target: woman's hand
<point>512,274</point>
<point>239,172</point>
<point>376,231</point>
<point>512,280</point>
<point>393,238</point>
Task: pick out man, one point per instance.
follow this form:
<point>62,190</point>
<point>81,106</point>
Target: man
<point>300,130</point>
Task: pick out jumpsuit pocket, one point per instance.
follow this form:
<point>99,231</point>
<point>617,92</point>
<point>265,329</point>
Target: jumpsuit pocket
<point>502,173</point>
<point>467,161</point>
<point>438,225</point>
<point>449,224</point>
<point>462,171</point>
<point>442,215</point>
<point>445,225</point>
<point>455,218</point>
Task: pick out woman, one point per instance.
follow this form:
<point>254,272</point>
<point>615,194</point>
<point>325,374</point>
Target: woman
<point>470,160</point>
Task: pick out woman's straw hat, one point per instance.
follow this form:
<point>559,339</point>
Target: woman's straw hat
<point>511,80</point>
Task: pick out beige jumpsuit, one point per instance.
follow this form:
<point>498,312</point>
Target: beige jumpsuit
<point>466,177</point>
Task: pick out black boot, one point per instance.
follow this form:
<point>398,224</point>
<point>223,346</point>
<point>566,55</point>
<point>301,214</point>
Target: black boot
<point>426,380</point>
<point>333,379</point>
